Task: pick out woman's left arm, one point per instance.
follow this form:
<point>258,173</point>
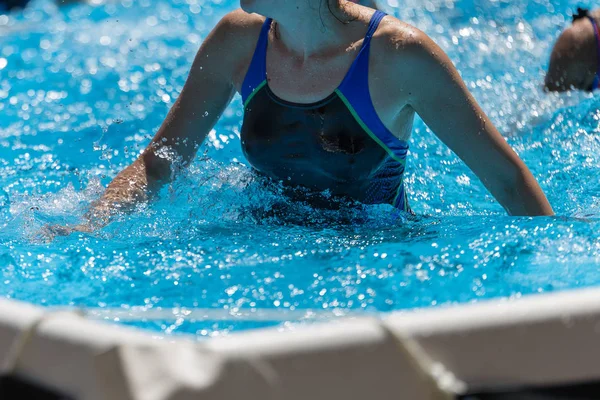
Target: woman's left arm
<point>440,97</point>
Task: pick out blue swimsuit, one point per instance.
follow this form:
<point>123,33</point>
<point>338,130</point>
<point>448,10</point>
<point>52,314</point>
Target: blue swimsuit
<point>337,145</point>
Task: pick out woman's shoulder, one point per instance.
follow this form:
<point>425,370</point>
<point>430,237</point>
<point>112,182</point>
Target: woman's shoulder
<point>398,45</point>
<point>240,19</point>
<point>233,39</point>
<point>235,34</point>
<point>239,26</point>
<point>403,55</point>
<point>394,37</point>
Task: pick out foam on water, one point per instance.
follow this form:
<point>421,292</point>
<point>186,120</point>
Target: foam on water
<point>82,91</point>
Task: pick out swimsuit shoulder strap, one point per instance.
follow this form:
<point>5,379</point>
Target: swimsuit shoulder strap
<point>373,25</point>
<point>354,92</point>
<point>257,71</point>
<point>360,66</point>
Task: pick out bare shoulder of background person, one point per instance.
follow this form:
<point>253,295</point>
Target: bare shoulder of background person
<point>575,57</point>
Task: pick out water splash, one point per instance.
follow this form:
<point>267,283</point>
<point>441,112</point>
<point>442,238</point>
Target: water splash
<point>78,107</point>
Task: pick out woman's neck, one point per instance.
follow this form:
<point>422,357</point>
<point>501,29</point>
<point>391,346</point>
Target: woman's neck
<point>314,26</point>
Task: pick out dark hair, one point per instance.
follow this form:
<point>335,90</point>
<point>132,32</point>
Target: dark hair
<point>581,13</point>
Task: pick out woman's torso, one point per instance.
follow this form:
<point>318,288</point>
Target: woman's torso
<point>299,127</point>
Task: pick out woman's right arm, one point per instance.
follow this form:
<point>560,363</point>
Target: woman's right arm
<point>205,95</point>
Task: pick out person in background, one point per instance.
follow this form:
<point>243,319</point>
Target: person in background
<point>575,58</point>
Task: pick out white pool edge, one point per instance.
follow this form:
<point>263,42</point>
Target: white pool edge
<point>535,340</point>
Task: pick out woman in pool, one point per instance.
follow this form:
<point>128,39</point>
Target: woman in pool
<point>330,91</point>
<point>575,58</point>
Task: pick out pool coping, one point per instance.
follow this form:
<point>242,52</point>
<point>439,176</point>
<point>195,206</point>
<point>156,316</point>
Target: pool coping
<point>544,339</point>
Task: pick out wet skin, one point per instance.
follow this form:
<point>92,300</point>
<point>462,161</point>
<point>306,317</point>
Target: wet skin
<point>306,61</point>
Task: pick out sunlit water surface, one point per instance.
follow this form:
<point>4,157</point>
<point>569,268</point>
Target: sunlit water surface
<point>83,89</point>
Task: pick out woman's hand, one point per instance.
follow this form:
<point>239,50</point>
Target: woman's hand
<point>49,232</point>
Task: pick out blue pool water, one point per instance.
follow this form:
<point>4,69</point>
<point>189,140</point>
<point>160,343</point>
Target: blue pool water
<point>83,89</point>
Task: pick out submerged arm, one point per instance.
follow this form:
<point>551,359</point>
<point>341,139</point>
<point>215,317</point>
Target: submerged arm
<point>440,97</point>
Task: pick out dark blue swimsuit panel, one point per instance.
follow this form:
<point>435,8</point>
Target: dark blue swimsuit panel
<point>338,145</point>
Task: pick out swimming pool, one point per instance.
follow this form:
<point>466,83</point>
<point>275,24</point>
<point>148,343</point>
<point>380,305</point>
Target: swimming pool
<point>81,92</point>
